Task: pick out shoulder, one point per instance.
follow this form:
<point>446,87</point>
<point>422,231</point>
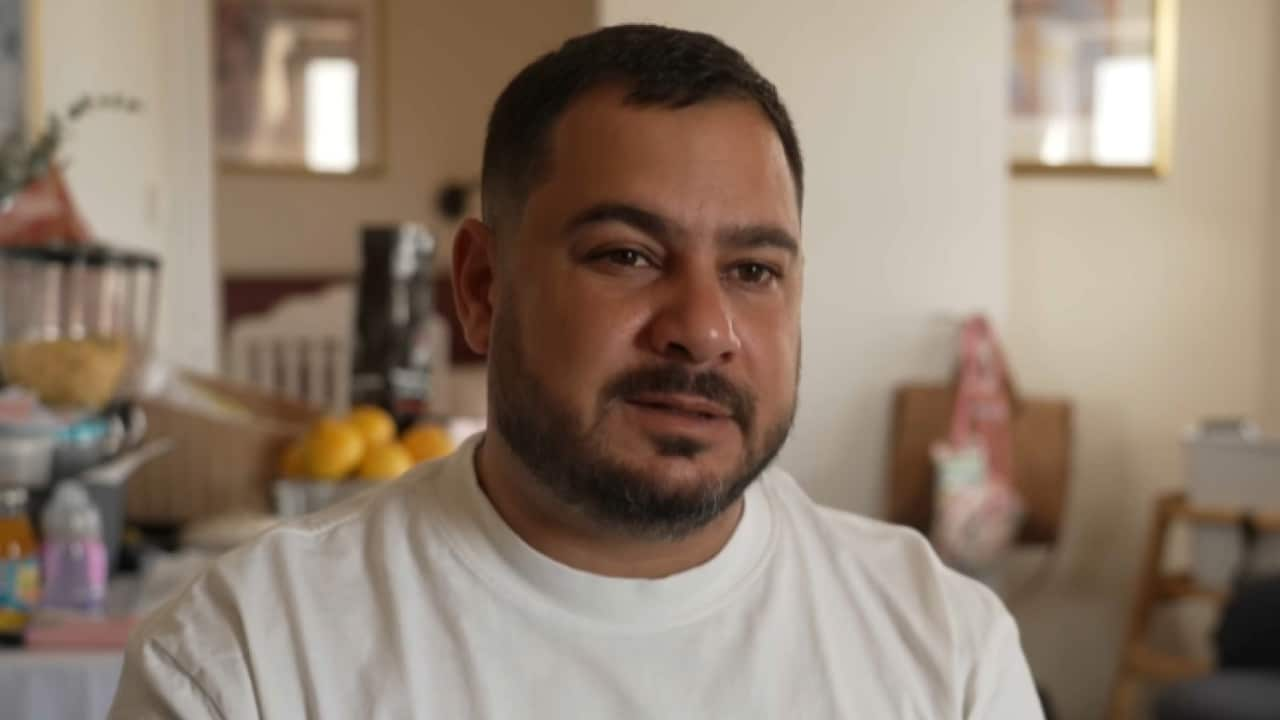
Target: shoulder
<point>894,568</point>
<point>272,580</point>
<point>320,544</point>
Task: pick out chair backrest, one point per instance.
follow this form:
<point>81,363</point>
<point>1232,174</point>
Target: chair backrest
<point>1042,441</point>
<point>299,349</point>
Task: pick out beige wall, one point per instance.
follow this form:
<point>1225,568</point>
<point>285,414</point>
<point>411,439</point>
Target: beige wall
<point>1147,302</point>
<point>902,122</point>
<point>144,180</point>
<point>448,60</point>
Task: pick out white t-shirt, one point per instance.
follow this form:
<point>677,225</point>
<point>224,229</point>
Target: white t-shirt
<point>417,601</point>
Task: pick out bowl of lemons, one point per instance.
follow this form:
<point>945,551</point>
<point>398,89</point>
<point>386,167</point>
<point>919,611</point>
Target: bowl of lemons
<point>339,457</point>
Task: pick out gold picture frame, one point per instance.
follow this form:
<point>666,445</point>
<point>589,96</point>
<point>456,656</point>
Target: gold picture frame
<point>1098,97</point>
<point>300,87</point>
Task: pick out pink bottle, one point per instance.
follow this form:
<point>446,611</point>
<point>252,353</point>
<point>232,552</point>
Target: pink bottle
<point>73,556</point>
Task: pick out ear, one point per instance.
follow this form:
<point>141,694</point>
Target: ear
<point>474,276</point>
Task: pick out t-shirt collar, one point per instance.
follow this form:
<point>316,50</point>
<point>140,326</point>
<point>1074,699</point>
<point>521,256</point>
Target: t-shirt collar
<point>496,552</point>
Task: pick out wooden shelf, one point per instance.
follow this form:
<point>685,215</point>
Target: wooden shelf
<point>1158,665</point>
<point>1184,587</point>
<point>1157,586</point>
<point>1267,522</point>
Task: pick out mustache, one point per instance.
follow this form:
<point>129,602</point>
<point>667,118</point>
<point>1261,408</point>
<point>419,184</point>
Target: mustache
<point>708,384</point>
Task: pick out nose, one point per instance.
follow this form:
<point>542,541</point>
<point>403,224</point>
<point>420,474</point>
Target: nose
<point>694,323</point>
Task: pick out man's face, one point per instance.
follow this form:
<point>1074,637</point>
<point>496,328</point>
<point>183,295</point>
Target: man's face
<point>645,341</point>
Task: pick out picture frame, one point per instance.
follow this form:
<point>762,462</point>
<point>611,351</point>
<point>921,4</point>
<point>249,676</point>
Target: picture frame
<point>298,86</point>
<point>1092,87</point>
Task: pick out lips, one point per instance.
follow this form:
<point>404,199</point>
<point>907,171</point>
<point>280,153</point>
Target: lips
<point>689,405</point>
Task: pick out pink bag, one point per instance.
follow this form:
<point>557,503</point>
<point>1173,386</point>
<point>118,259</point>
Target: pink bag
<point>977,511</point>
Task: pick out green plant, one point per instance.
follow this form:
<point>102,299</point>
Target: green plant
<point>22,163</point>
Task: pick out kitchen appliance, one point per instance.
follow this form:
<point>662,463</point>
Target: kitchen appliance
<point>77,322</point>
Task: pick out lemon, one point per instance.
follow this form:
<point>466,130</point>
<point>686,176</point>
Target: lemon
<point>386,462</point>
<point>333,449</point>
<point>293,463</point>
<point>374,423</point>
<point>426,442</point>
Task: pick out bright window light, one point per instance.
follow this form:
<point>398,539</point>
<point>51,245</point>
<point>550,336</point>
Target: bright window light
<point>1124,116</point>
<point>333,144</point>
<point>1055,146</point>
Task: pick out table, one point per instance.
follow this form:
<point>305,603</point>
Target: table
<point>58,685</point>
<point>69,684</point>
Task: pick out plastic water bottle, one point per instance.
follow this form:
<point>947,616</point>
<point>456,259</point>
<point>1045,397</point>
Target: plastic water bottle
<point>73,554</point>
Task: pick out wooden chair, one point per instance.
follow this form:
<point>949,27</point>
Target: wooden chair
<point>1042,437</point>
<point>1140,662</point>
<point>301,349</point>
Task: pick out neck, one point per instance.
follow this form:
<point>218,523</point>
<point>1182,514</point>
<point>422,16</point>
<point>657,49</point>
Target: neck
<point>563,534</point>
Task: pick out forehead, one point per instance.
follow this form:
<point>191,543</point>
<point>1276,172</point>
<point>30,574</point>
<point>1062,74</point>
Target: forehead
<point>711,164</point>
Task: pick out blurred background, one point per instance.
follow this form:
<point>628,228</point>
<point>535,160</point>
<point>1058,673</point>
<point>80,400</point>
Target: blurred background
<point>1098,179</point>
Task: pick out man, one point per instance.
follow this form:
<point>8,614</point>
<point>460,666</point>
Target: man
<point>616,545</point>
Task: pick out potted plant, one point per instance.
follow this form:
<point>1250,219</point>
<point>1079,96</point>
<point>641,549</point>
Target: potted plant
<point>36,207</point>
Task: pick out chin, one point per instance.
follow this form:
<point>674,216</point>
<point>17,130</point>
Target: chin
<point>675,464</point>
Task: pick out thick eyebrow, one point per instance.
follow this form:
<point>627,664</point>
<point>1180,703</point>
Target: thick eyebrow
<point>646,221</point>
<point>743,237</point>
<point>760,236</point>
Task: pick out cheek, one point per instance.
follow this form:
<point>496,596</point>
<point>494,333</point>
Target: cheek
<point>771,356</point>
<point>578,338</point>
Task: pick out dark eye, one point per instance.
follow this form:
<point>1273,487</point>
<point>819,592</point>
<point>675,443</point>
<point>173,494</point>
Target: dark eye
<point>626,257</point>
<point>754,273</point>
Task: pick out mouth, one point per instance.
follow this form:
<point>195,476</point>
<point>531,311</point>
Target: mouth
<point>690,406</point>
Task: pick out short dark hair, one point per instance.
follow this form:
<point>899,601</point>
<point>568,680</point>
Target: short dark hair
<point>656,65</point>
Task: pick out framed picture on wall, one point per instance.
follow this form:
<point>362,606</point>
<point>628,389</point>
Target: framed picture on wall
<point>1091,88</point>
<point>298,85</point>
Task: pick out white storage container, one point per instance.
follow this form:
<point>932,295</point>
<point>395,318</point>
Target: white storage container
<point>1232,470</point>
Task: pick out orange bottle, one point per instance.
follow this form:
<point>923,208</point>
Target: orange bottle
<point>19,564</point>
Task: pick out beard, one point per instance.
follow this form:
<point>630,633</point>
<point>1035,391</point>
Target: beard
<point>571,458</point>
